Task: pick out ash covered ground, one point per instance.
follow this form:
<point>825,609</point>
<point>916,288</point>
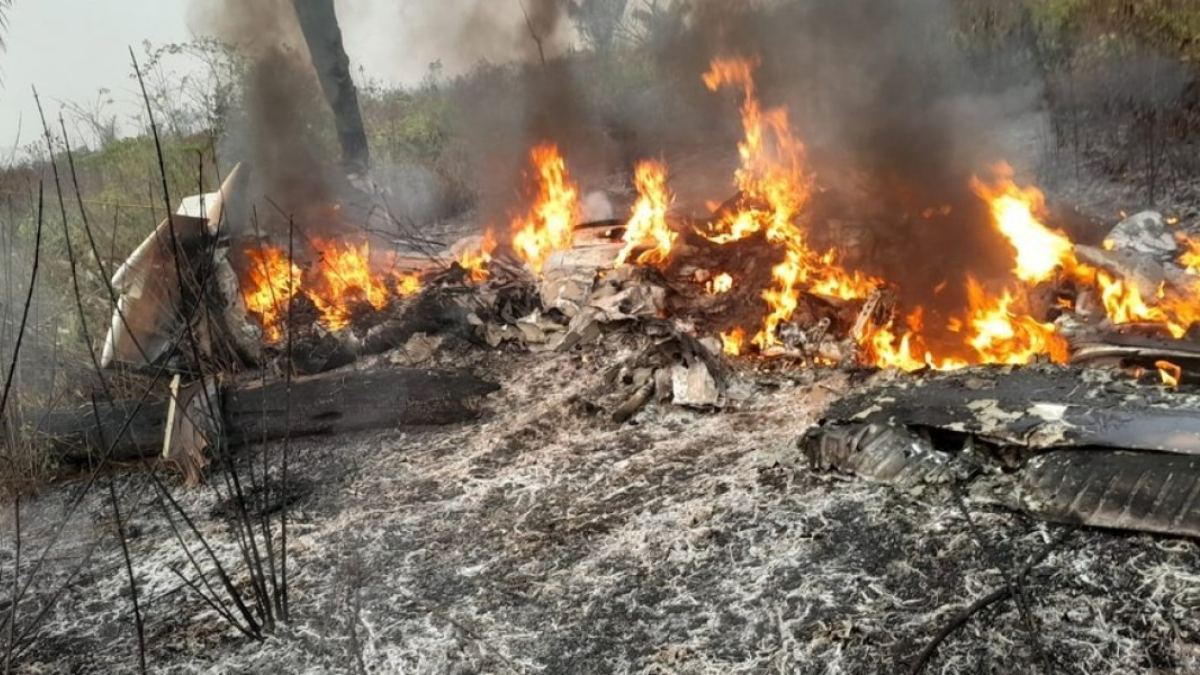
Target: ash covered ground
<point>544,537</point>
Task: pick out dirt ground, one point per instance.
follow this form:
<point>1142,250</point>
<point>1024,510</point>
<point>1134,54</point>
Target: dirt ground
<point>545,538</point>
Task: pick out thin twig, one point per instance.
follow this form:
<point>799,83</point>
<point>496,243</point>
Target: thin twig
<point>133,594</point>
<point>283,580</point>
<point>537,40</point>
<point>84,334</point>
<point>1017,581</point>
<point>982,603</point>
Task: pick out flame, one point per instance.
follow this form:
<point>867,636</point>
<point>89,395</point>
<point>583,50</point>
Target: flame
<point>475,261</point>
<point>648,222</point>
<point>774,188</point>
<point>1169,372</point>
<point>548,225</point>
<point>406,283</point>
<point>719,284</point>
<point>1123,301</point>
<point>1174,310</point>
<point>343,279</point>
<point>271,282</point>
<point>1189,258</point>
<point>994,328</point>
<point>1016,211</point>
<point>884,348</point>
<point>999,333</point>
<point>733,341</point>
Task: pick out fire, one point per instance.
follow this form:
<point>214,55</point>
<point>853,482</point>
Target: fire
<point>407,283</point>
<point>1016,211</point>
<point>1123,304</point>
<point>475,261</point>
<point>1169,373</point>
<point>1190,257</point>
<point>548,225</point>
<point>271,282</point>
<point>883,348</point>
<point>1123,301</point>
<point>999,333</point>
<point>722,283</point>
<point>343,279</point>
<point>733,341</point>
<point>774,188</point>
<point>1041,252</point>
<point>648,222</point>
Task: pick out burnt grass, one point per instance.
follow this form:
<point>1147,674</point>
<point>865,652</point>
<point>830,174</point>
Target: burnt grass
<point>545,538</point>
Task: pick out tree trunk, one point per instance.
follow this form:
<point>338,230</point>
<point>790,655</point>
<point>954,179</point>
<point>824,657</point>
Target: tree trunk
<point>319,23</point>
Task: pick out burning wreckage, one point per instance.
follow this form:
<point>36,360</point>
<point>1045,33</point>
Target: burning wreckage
<point>1059,387</point>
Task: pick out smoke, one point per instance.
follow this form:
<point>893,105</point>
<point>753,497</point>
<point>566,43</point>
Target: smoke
<point>896,116</point>
<point>283,130</point>
<point>896,119</point>
<point>283,106</point>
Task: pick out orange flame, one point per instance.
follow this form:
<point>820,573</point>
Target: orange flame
<point>475,261</point>
<point>1041,251</point>
<point>883,348</point>
<point>1169,373</point>
<point>407,283</point>
<point>340,280</point>
<point>343,279</point>
<point>271,282</point>
<point>648,222</point>
<point>1017,211</point>
<point>1190,257</point>
<point>733,341</point>
<point>548,225</point>
<point>774,188</point>
<point>1000,334</point>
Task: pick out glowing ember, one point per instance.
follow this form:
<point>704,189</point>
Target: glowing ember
<point>648,222</point>
<point>475,261</point>
<point>548,225</point>
<point>1016,211</point>
<point>733,341</point>
<point>722,283</point>
<point>270,284</point>
<point>1169,373</point>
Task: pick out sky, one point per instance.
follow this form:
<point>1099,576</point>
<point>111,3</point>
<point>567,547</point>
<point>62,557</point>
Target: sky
<point>71,49</point>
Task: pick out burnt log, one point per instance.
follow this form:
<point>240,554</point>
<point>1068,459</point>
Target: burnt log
<point>251,411</point>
